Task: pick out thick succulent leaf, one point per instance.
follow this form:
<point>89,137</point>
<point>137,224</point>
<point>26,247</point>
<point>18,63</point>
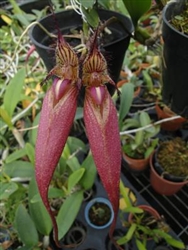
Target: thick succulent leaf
<point>58,111</point>
<point>102,129</point>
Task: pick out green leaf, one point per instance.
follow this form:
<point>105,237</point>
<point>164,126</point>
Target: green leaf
<point>68,212</point>
<point>130,123</point>
<point>13,92</point>
<point>175,243</point>
<point>144,119</point>
<point>74,178</point>
<point>38,211</point>
<point>73,163</point>
<point>79,113</point>
<point>89,176</point>
<point>7,189</point>
<point>27,248</point>
<point>30,151</point>
<point>87,4</point>
<point>16,155</point>
<point>147,80</point>
<point>126,100</point>
<point>139,137</point>
<point>148,152</point>
<point>133,210</point>
<point>91,17</point>
<point>33,132</point>
<point>53,193</point>
<point>76,144</point>
<point>25,227</point>
<point>22,18</point>
<point>169,239</point>
<point>6,118</point>
<point>66,152</point>
<point>104,3</point>
<point>140,245</point>
<point>150,149</point>
<point>137,8</point>
<point>21,169</point>
<point>128,236</point>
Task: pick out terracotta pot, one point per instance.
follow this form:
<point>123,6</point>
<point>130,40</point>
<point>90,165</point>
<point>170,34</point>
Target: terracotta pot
<point>161,185</point>
<point>148,209</point>
<point>170,125</point>
<point>136,164</point>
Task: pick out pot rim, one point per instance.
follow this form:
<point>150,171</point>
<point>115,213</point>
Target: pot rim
<point>165,180</point>
<point>130,29</point>
<point>90,204</point>
<point>147,208</point>
<point>168,5</point>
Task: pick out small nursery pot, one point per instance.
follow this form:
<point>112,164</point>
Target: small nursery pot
<point>136,164</point>
<point>161,185</point>
<point>93,210</point>
<point>169,125</point>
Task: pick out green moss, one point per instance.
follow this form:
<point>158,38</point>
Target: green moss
<point>173,157</point>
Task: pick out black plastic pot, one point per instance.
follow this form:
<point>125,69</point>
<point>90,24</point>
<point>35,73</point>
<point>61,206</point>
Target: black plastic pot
<point>175,62</point>
<point>69,19</point>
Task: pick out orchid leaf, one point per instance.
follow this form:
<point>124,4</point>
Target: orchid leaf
<point>68,212</point>
<point>128,235</point>
<point>13,92</point>
<point>75,144</point>
<point>73,163</point>
<point>21,169</point>
<point>33,132</point>
<point>144,119</point>
<point>127,92</point>
<point>6,118</point>
<point>25,227</point>
<point>38,211</point>
<point>137,8</point>
<point>87,4</point>
<point>140,245</point>
<point>74,178</point>
<point>30,151</point>
<point>15,155</point>
<point>91,17</point>
<point>7,189</point>
<point>139,137</point>
<point>89,176</point>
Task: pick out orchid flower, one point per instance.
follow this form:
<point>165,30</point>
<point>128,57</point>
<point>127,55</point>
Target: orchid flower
<point>56,118</point>
<point>57,115</point>
<point>101,123</point>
